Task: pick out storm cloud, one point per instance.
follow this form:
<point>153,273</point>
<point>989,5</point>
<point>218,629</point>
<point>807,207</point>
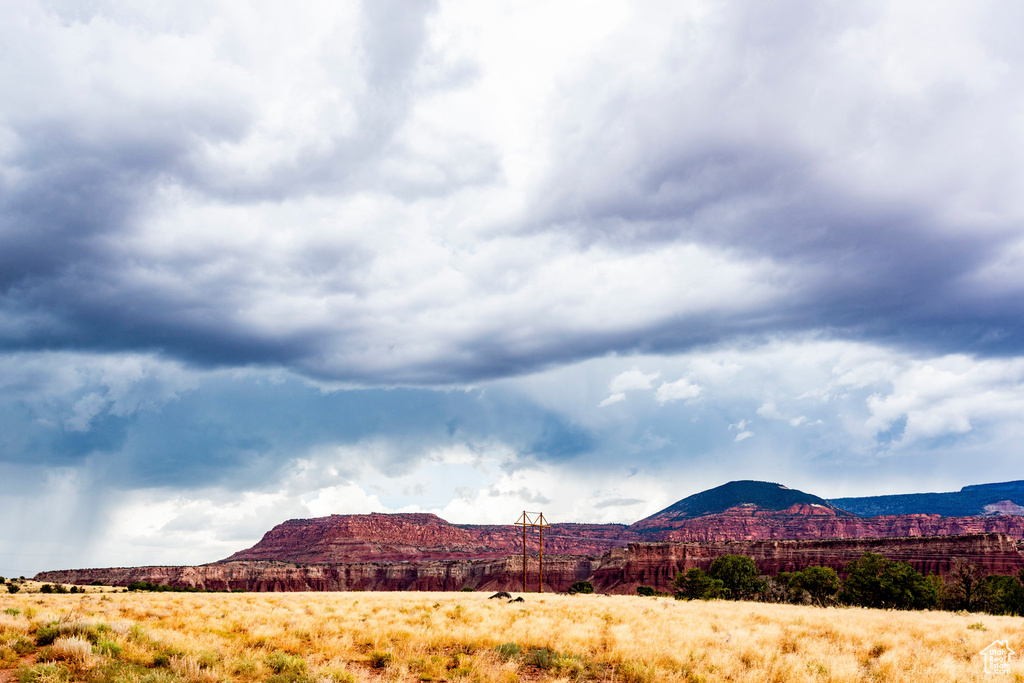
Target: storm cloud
<point>444,256</point>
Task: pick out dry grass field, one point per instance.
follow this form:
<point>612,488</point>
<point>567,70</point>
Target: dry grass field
<point>298,637</point>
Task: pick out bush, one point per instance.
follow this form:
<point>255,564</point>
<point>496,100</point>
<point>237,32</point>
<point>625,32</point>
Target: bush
<point>696,584</point>
<point>13,588</point>
<point>40,673</point>
<point>508,651</point>
<point>70,649</point>
<point>45,635</point>
<point>646,591</point>
<point>543,658</point>
<point>818,585</point>
<point>1001,595</point>
<point>584,587</point>
<point>738,574</point>
<point>874,581</point>
<point>284,663</point>
<point>379,660</point>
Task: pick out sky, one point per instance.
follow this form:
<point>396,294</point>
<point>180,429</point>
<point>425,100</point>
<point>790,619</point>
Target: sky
<point>264,260</point>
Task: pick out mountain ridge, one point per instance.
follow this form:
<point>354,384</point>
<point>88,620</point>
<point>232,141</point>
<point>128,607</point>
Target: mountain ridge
<point>976,499</point>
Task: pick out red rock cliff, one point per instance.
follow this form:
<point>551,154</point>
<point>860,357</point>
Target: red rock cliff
<point>812,522</point>
<point>620,570</point>
<point>396,537</point>
<point>656,564</point>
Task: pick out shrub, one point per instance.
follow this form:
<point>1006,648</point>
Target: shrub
<point>45,635</point>
<point>738,574</point>
<point>543,658</point>
<point>467,589</point>
<point>44,673</point>
<point>71,649</point>
<point>21,645</point>
<point>282,662</point>
<point>337,676</point>
<point>696,584</point>
<point>109,648</point>
<point>646,591</point>
<point>584,587</point>
<point>379,660</point>
<point>13,588</point>
<point>12,611</point>
<point>508,651</point>
<point>874,581</point>
<point>817,584</point>
<point>8,658</point>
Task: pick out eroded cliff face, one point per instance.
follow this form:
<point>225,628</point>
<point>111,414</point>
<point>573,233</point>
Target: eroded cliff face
<point>656,564</point>
<point>397,537</point>
<point>505,573</point>
<point>619,570</point>
<point>813,522</point>
<point>422,537</point>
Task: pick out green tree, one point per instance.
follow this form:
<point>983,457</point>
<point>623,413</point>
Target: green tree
<point>874,581</point>
<point>696,584</point>
<point>1001,594</point>
<point>738,574</point>
<point>584,587</point>
<point>903,587</point>
<point>821,582</point>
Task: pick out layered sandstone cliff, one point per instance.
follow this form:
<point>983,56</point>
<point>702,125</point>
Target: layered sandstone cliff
<point>747,522</point>
<point>397,537</point>
<point>656,564</point>
<point>620,570</point>
<point>421,537</point>
<point>506,573</point>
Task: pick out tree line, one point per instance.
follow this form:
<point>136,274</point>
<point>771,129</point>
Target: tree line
<point>871,581</point>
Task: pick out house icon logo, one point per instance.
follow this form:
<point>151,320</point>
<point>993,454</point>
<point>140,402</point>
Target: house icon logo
<point>997,657</point>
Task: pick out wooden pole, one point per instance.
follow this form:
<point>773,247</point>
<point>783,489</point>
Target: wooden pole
<point>524,551</point>
<point>540,571</point>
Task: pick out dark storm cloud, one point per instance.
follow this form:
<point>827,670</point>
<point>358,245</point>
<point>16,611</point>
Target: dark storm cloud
<point>677,158</point>
<point>82,176</point>
<point>240,433</point>
<point>785,139</point>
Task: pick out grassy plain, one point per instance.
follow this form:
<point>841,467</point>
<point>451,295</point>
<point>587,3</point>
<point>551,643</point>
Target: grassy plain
<point>298,637</point>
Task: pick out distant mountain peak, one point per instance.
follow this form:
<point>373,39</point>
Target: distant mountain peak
<point>765,495</point>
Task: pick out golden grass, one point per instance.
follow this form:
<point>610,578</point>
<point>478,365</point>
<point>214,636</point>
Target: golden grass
<point>294,637</point>
<point>31,586</point>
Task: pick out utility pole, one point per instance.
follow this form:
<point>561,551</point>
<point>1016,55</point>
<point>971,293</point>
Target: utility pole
<point>533,519</point>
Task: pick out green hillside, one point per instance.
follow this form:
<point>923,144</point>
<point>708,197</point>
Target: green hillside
<point>968,501</point>
<point>765,495</point>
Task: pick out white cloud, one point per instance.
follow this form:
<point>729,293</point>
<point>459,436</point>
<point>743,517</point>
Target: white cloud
<point>680,390</point>
<point>612,399</point>
<point>770,410</point>
<point>632,380</point>
<point>743,436</point>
